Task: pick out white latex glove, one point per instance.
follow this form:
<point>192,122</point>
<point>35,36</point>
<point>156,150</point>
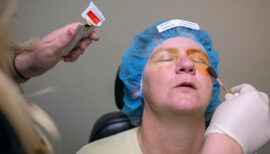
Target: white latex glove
<point>244,117</point>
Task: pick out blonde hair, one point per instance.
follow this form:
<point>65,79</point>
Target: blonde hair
<point>26,119</point>
<point>29,122</point>
<point>7,8</point>
<point>7,12</point>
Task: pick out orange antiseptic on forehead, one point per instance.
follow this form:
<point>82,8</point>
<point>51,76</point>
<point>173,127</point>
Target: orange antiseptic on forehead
<point>200,60</point>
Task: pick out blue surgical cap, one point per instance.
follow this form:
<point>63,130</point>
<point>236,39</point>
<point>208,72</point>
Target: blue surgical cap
<point>137,55</point>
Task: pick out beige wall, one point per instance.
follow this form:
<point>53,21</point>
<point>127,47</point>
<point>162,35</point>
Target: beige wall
<point>84,89</point>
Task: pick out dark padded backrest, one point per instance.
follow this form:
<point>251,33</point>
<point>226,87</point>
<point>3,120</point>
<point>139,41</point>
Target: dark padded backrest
<point>113,122</point>
<point>119,91</point>
<point>110,124</point>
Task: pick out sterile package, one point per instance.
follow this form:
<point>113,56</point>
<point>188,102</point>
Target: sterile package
<point>94,18</point>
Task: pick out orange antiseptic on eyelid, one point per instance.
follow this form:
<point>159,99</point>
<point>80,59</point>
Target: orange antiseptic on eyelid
<point>163,54</point>
<point>200,56</point>
<point>193,54</point>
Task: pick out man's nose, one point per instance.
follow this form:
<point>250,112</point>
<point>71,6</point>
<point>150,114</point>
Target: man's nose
<point>185,65</point>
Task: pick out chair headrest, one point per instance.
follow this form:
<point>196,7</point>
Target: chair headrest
<point>110,124</point>
<point>119,91</point>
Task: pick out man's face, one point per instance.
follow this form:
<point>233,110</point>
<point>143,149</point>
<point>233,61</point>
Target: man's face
<point>175,78</point>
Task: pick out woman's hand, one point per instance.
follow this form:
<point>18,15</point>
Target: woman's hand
<point>49,49</point>
<point>244,117</point>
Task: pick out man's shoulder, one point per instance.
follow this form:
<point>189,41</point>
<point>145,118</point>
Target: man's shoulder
<point>118,143</point>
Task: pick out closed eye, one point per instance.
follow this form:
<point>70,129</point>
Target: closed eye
<point>164,55</point>
<point>164,60</point>
<point>199,58</point>
<point>198,61</point>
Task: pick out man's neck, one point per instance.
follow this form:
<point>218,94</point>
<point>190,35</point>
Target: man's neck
<point>170,136</point>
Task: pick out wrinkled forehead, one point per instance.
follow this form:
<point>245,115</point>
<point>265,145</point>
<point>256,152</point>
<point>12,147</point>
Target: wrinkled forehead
<point>180,44</point>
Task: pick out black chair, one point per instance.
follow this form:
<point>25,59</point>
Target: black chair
<point>113,122</point>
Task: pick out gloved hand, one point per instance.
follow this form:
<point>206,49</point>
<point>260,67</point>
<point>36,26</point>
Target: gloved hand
<point>244,117</point>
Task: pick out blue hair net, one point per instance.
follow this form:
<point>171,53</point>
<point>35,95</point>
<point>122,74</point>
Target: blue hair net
<point>136,57</point>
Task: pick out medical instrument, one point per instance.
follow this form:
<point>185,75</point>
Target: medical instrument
<point>94,18</point>
<point>212,72</point>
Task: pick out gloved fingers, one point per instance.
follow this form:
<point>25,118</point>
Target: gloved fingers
<point>265,97</point>
<point>228,96</point>
<point>243,88</point>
